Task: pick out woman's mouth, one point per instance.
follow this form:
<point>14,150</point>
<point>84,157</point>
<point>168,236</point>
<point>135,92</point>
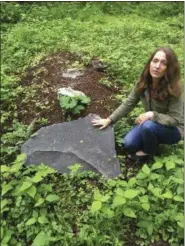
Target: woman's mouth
<point>155,72</point>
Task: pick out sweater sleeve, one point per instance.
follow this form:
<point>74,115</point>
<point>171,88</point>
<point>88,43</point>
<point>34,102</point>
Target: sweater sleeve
<point>126,106</point>
<point>174,114</point>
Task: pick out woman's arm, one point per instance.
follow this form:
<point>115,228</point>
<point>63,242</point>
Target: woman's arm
<point>127,106</point>
<point>174,114</point>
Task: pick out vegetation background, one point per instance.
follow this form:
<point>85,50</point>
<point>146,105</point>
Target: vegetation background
<point>41,207</point>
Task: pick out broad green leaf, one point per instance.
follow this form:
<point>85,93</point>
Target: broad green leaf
<point>141,190</point>
<point>130,193</point>
<point>97,195</point>
<point>178,198</point>
<point>122,183</point>
<point>6,188</point>
<point>145,206</point>
<point>42,239</point>
<point>4,168</point>
<point>35,214</point>
<point>129,212</point>
<point>146,169</point>
<point>108,212</point>
<point>181,224</point>
<point>157,192</point>
<point>141,175</point>
<point>119,192</point>
<point>39,202</point>
<point>154,176</point>
<point>43,220</point>
<point>179,161</point>
<point>131,182</point>
<point>143,199</point>
<point>20,158</point>
<point>37,178</point>
<point>179,217</point>
<point>150,187</point>
<point>96,206</point>
<point>180,190</point>
<point>78,109</point>
<point>167,195</point>
<point>16,167</point>
<point>143,223</point>
<point>157,165</point>
<point>2,232</point>
<point>46,187</point>
<point>25,186</point>
<point>179,173</point>
<point>170,165</point>
<point>85,100</point>
<point>3,203</point>
<point>31,222</point>
<point>112,183</point>
<point>105,198</point>
<point>68,102</point>
<point>150,229</point>
<point>7,236</point>
<point>45,170</point>
<point>31,191</point>
<point>178,180</point>
<point>73,103</point>
<point>118,200</point>
<point>52,198</point>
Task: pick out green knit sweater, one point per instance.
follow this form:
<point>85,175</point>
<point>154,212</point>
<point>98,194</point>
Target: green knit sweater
<point>168,112</point>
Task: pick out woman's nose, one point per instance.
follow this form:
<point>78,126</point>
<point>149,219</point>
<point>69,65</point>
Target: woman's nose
<point>157,65</point>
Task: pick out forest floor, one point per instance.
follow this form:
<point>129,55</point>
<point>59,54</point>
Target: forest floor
<point>41,83</point>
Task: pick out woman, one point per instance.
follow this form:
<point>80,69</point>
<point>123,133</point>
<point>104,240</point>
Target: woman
<point>159,89</point>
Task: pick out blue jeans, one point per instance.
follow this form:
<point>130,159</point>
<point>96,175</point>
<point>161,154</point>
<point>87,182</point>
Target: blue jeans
<point>149,135</point>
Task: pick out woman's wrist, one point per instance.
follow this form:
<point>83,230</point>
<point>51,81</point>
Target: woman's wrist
<point>150,114</point>
<point>109,120</point>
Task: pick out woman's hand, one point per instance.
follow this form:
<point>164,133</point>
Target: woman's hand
<point>143,117</point>
<point>101,122</point>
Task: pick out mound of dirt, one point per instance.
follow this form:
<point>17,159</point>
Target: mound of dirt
<point>38,98</point>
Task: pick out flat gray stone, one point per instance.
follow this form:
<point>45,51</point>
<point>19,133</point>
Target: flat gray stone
<point>68,91</point>
<point>72,73</point>
<point>64,144</point>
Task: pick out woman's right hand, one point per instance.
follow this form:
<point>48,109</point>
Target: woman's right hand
<point>101,122</point>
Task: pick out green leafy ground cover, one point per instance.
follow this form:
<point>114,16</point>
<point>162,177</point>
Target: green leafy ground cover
<point>41,207</point>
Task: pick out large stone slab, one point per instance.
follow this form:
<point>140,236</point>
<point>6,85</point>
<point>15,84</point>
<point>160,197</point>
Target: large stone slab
<point>61,145</point>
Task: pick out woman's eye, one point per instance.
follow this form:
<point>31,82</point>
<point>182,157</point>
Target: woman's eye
<point>164,63</point>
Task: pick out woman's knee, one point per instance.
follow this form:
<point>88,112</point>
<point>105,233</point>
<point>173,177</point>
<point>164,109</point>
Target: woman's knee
<point>129,142</point>
<point>148,126</point>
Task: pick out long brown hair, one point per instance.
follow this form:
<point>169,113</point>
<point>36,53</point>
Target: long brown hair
<point>170,84</point>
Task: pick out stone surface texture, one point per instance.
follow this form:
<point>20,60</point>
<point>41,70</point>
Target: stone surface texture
<point>68,91</point>
<point>72,73</point>
<point>64,144</point>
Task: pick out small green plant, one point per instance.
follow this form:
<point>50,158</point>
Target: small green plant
<point>121,129</point>
<point>106,82</point>
<point>75,104</point>
<point>77,65</point>
<point>42,121</point>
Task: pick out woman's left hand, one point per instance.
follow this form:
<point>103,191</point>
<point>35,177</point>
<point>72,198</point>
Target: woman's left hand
<point>143,117</point>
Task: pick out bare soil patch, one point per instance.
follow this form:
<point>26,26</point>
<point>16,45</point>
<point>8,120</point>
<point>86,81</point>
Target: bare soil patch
<point>38,98</point>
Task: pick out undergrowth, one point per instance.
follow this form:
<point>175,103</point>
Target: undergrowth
<point>41,207</point>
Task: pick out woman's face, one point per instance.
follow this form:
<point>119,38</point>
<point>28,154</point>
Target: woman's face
<point>158,65</point>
